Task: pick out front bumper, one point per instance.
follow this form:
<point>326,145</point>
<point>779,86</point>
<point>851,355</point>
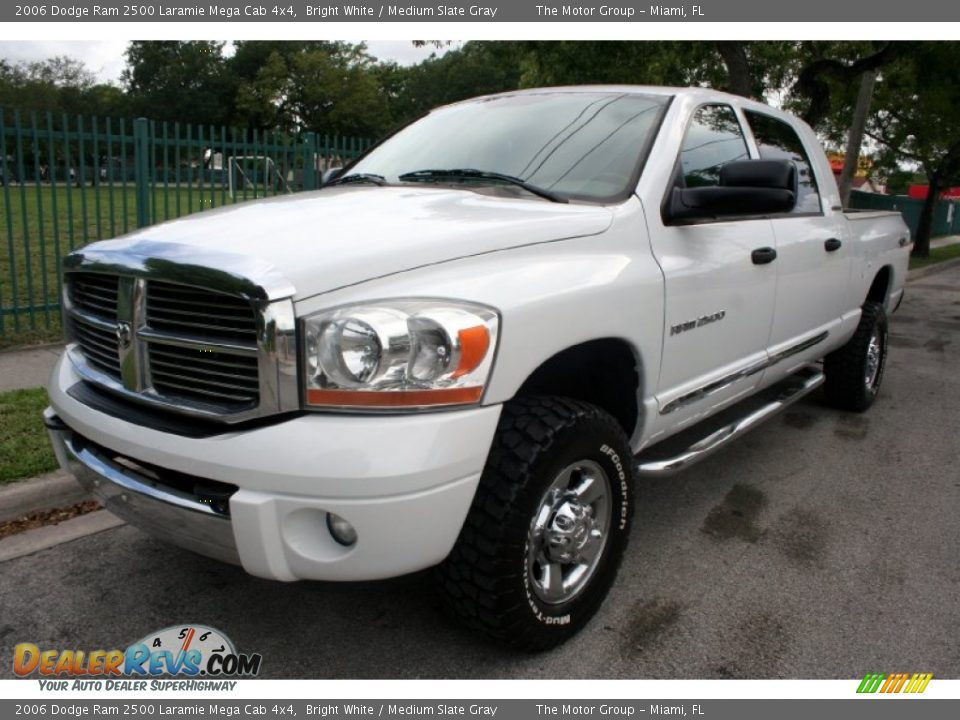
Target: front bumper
<point>163,511</point>
<point>405,482</point>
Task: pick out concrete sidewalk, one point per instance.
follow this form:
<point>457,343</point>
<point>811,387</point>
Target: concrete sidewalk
<point>27,368</point>
<point>944,241</point>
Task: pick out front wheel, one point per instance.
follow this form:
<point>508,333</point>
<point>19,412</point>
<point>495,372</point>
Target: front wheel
<point>854,372</point>
<point>543,539</point>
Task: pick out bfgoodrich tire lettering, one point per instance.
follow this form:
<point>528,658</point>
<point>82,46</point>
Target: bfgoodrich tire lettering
<point>546,456</point>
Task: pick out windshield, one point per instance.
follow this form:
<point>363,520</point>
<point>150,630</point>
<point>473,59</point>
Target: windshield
<point>583,145</point>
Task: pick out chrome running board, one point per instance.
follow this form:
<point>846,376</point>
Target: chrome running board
<point>697,446</point>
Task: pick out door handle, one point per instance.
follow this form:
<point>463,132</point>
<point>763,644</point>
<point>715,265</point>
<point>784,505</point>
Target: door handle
<point>832,244</point>
<point>764,255</point>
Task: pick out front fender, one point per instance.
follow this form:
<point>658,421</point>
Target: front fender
<point>550,296</point>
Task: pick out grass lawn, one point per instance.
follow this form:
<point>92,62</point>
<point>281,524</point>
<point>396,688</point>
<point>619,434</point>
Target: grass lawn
<point>38,227</point>
<point>25,337</point>
<point>936,255</point>
<point>24,448</point>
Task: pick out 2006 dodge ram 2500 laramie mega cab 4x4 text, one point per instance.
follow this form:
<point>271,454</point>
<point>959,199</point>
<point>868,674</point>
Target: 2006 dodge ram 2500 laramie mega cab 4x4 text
<point>467,348</point>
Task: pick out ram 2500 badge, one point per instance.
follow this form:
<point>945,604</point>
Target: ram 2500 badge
<point>467,349</point>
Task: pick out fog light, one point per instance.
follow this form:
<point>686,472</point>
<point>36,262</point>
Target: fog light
<point>342,531</point>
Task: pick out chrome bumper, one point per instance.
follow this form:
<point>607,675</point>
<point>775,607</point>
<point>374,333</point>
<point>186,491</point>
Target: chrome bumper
<point>164,512</point>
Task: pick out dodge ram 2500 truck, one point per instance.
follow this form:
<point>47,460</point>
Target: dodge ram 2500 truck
<point>466,349</point>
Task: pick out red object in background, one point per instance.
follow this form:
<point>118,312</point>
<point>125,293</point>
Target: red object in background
<point>919,192</point>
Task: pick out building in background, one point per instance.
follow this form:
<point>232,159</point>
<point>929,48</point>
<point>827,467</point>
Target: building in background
<point>861,180</point>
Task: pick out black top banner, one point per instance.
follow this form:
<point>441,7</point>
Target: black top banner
<point>298,11</point>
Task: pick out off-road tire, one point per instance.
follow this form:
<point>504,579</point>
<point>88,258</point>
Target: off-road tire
<point>846,385</point>
<point>484,580</point>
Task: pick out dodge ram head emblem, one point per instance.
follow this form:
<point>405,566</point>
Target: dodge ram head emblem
<point>124,335</point>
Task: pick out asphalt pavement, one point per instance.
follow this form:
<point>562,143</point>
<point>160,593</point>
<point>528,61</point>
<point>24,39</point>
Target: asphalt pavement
<point>822,545</point>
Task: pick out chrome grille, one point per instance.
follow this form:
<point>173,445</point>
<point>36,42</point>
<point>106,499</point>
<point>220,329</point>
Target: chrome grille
<point>181,372</point>
<point>94,297</point>
<point>212,374</point>
<point>184,347</point>
<point>95,294</point>
<point>100,347</point>
<point>192,330</point>
<point>188,311</point>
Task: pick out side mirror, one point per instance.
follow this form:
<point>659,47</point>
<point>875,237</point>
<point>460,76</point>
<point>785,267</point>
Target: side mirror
<point>330,174</point>
<point>747,187</point>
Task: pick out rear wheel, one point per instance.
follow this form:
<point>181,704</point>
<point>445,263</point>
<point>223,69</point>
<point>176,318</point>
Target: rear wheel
<point>855,371</point>
<point>543,540</point>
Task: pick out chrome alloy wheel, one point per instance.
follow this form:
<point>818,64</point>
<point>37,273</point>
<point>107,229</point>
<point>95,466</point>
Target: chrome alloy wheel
<point>872,366</point>
<point>568,532</point>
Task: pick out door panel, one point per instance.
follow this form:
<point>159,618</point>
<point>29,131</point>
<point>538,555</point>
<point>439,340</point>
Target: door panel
<point>718,302</point>
<point>719,308</point>
<point>811,281</point>
<point>814,260</point>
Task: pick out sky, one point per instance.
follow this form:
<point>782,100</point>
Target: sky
<point>105,57</point>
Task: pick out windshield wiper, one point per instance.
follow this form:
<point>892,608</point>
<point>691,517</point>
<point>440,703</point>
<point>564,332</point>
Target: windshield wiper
<point>359,178</point>
<point>472,174</point>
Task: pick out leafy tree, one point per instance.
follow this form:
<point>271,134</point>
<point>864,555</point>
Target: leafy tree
<point>746,68</point>
<point>60,71</point>
<point>57,84</point>
<point>755,69</point>
<point>899,181</point>
<point>104,99</point>
<point>338,92</point>
<point>477,68</point>
<point>186,81</point>
<point>617,62</point>
<point>262,102</point>
<point>329,87</point>
<point>826,75</point>
<point>916,122</point>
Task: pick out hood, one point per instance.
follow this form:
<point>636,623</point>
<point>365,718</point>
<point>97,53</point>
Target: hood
<point>324,240</point>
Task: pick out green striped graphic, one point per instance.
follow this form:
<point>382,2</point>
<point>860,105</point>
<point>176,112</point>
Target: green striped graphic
<point>871,682</point>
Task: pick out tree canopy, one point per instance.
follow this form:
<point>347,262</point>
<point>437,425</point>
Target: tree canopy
<point>59,85</point>
<point>187,81</point>
<point>916,122</point>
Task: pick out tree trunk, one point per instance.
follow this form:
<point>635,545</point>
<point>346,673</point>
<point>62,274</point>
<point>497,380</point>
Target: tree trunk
<point>855,138</point>
<point>738,69</point>
<point>921,242</point>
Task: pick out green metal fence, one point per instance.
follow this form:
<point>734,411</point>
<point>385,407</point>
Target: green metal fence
<point>67,181</point>
<point>946,214</point>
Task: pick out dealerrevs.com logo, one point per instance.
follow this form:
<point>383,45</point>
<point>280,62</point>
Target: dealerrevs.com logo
<point>203,655</point>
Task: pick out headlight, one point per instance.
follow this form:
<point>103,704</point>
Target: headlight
<point>398,354</point>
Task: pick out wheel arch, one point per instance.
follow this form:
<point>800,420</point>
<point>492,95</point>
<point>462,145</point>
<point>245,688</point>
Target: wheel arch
<point>880,287</point>
<point>606,372</point>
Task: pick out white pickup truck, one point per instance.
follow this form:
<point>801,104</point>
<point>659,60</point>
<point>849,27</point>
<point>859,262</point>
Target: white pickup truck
<point>467,349</point>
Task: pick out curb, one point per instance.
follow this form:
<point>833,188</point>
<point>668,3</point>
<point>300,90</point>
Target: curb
<point>55,346</point>
<point>933,269</point>
<point>43,538</point>
<point>58,489</point>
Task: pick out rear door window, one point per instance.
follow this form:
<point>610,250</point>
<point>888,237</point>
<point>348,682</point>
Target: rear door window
<point>776,140</point>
